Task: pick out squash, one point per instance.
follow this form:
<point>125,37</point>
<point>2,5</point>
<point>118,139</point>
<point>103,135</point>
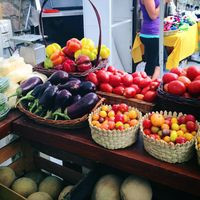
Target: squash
<point>107,188</point>
<point>135,188</point>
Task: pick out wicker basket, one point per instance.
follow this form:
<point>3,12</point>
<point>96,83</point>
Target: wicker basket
<point>168,152</point>
<point>48,72</point>
<point>197,149</point>
<point>65,124</point>
<point>170,102</point>
<point>142,106</point>
<point>114,139</point>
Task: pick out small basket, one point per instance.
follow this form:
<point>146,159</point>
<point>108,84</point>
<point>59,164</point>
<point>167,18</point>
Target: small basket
<point>142,106</point>
<point>114,139</point>
<point>197,149</point>
<point>172,153</point>
<point>64,124</point>
<point>170,102</point>
<point>171,32</point>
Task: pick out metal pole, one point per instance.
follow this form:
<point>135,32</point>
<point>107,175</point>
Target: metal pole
<point>161,38</point>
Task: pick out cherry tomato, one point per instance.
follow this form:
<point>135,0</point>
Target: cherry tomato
<point>106,87</point>
<point>123,107</point>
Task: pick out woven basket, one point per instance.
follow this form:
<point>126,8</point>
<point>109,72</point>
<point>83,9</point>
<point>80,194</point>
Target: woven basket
<point>170,102</point>
<point>114,139</point>
<point>172,153</point>
<point>48,72</point>
<point>197,149</point>
<point>142,106</point>
<point>64,124</point>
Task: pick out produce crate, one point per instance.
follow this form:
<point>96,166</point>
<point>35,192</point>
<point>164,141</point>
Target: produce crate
<point>23,156</point>
<point>142,106</point>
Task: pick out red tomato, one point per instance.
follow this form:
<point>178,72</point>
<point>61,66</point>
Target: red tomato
<point>144,90</point>
<point>144,82</point>
<point>186,81</point>
<point>136,80</point>
<point>150,96</point>
<point>115,80</point>
<point>93,78</point>
<point>136,74</point>
<point>115,107</point>
<point>119,90</point>
<point>119,118</point>
<point>111,69</point>
<point>197,78</point>
<point>154,85</point>
<point>103,76</point>
<point>169,77</point>
<point>106,87</point>
<point>123,107</point>
<point>127,80</point>
<point>193,72</point>
<point>176,88</point>
<point>194,88</point>
<point>136,87</point>
<point>143,74</point>
<point>177,71</point>
<point>129,92</point>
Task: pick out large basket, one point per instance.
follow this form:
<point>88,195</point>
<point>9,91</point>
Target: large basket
<point>48,72</point>
<point>142,106</point>
<point>168,152</point>
<point>170,102</point>
<point>65,124</point>
<point>197,150</point>
<point>114,139</point>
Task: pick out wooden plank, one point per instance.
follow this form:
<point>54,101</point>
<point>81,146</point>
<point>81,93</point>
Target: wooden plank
<point>67,174</point>
<point>132,160</point>
<point>8,194</point>
<point>6,124</point>
<point>9,150</point>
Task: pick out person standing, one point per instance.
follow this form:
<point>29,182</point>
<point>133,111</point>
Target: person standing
<point>149,35</point>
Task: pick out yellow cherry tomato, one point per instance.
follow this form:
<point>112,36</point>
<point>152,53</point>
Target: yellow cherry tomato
<point>103,113</point>
<point>132,114</point>
<point>104,108</point>
<point>111,113</point>
<point>174,120</point>
<point>95,117</point>
<point>118,124</point>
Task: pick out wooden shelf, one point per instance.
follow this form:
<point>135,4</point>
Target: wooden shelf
<point>5,125</point>
<point>185,177</point>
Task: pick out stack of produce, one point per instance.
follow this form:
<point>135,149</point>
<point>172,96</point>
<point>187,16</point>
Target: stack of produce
<point>60,97</point>
<point>169,137</point>
<point>183,82</point>
<point>76,56</point>
<point>172,23</point>
<point>114,126</point>
<point>4,107</point>
<point>137,85</point>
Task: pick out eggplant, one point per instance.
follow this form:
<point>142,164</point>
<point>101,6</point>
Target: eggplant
<point>81,107</point>
<point>72,86</point>
<point>76,98</point>
<point>27,85</point>
<point>73,78</point>
<point>87,87</point>
<point>58,77</point>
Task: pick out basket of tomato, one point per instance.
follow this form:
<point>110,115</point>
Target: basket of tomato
<point>116,126</point>
<point>169,136</point>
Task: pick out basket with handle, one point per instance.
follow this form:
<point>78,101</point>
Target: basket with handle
<point>168,152</point>
<point>96,64</point>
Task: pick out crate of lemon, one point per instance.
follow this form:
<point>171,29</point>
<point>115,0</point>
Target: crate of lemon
<point>169,136</point>
<point>116,126</point>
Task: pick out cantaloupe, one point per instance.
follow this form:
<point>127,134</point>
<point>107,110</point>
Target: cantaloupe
<point>40,196</point>
<point>135,188</point>
<point>107,188</point>
<point>7,176</point>
<point>65,191</point>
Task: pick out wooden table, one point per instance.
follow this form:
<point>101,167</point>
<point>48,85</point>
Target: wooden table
<point>185,177</point>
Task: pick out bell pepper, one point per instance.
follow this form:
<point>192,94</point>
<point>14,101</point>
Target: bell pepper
<point>48,64</point>
<point>69,66</point>
<point>91,54</point>
<point>73,45</point>
<point>57,58</point>
<point>50,49</point>
<point>104,52</point>
<point>87,44</point>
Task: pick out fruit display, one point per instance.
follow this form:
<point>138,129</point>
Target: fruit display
<point>183,82</point>
<point>171,134</point>
<point>136,85</point>
<point>60,97</point>
<point>76,56</point>
<point>115,126</point>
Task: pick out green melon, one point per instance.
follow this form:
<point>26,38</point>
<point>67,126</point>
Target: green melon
<point>40,196</point>
<point>7,176</point>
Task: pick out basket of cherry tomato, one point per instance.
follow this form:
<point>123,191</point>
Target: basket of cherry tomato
<point>116,126</point>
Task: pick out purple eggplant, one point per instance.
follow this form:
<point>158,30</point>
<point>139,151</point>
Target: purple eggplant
<point>87,87</point>
<point>76,98</point>
<point>59,77</point>
<point>72,86</point>
<point>81,107</point>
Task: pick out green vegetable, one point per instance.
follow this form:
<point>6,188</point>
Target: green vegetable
<point>4,84</point>
<point>48,63</point>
